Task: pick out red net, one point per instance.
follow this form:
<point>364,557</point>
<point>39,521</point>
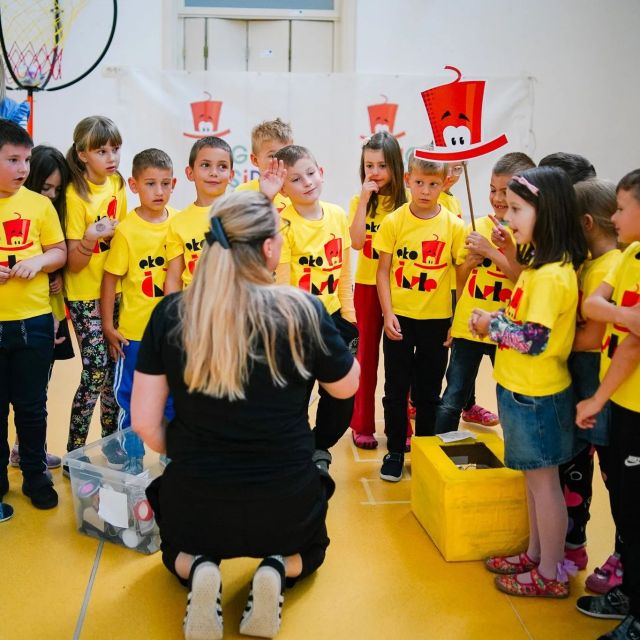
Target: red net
<point>31,65</point>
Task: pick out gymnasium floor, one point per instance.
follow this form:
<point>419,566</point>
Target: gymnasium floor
<point>383,577</point>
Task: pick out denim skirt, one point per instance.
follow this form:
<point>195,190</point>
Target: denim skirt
<point>538,431</point>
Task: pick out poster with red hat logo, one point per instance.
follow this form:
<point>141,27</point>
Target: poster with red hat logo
<point>206,117</point>
<point>455,115</point>
<point>382,117</point>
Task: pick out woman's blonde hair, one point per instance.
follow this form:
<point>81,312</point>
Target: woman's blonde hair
<point>233,314</point>
<point>90,133</point>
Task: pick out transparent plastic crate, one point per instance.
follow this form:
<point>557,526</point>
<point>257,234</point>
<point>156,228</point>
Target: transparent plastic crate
<point>110,503</point>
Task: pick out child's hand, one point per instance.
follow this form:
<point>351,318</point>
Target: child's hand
<point>586,412</point>
<point>479,323</point>
<point>115,342</point>
<point>631,318</point>
<point>56,326</point>
<point>5,274</point>
<point>392,327</point>
<point>368,187</point>
<point>55,283</point>
<point>478,244</point>
<point>103,228</point>
<point>499,236</point>
<point>272,180</point>
<point>449,341</point>
<point>27,269</point>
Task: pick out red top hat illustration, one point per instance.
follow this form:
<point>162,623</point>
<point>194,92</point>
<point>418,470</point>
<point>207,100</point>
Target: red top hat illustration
<point>455,114</point>
<point>382,117</point>
<point>17,233</point>
<point>206,115</point>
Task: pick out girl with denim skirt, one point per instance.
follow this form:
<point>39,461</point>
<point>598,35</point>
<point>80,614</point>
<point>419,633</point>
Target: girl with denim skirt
<point>535,335</point>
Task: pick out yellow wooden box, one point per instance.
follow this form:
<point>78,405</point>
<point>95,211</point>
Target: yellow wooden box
<point>469,514</point>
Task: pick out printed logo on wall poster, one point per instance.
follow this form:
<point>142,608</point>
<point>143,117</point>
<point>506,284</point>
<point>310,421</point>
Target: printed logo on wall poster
<point>455,115</point>
<point>382,117</point>
<point>206,117</point>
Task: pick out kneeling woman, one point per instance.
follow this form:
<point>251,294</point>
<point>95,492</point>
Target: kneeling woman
<point>238,354</point>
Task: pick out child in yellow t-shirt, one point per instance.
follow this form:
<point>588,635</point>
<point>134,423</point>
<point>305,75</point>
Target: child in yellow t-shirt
<point>267,138</point>
<point>535,397</point>
<point>596,205</point>
<point>210,169</point>
<point>418,245</point>
<point>315,258</point>
<point>383,191</point>
<point>487,283</point>
<point>615,302</point>
<point>137,261</point>
<point>96,202</point>
<point>31,246</point>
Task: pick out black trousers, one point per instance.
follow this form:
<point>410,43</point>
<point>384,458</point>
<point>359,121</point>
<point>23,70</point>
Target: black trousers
<point>333,416</point>
<point>419,361</point>
<point>624,485</point>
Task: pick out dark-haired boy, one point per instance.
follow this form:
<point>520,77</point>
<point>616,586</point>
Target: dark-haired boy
<point>31,246</point>
<point>210,169</point>
<point>137,261</point>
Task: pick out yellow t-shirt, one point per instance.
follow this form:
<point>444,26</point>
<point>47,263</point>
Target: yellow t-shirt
<point>105,200</point>
<point>449,201</point>
<point>314,250</point>
<point>624,277</point>
<point>280,201</point>
<point>28,222</point>
<point>185,237</point>
<point>368,256</point>
<point>423,254</point>
<point>590,277</point>
<point>546,296</point>
<point>138,255</point>
<point>57,306</point>
<point>486,287</point>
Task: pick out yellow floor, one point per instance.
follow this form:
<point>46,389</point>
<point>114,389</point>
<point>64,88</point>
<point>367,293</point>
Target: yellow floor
<point>383,577</point>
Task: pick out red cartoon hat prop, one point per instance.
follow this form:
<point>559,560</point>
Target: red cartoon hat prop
<point>455,114</point>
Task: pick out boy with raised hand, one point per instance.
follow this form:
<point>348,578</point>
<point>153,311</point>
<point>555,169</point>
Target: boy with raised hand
<point>419,243</point>
<point>138,261</point>
<point>315,258</point>
<point>616,302</point>
<point>31,246</point>
<point>210,169</point>
<point>267,138</point>
<point>486,282</point>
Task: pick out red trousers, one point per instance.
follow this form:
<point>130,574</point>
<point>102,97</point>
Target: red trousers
<point>370,325</point>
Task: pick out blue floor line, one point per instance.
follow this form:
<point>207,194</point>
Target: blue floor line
<point>87,593</point>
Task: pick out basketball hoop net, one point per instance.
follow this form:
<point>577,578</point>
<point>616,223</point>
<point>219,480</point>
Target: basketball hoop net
<point>32,36</point>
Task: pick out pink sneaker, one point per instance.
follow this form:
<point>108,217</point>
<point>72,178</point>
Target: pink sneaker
<point>606,577</point>
<point>578,556</point>
<point>479,415</point>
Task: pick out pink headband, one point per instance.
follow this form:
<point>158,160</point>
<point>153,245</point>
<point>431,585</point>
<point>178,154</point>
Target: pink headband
<point>525,183</point>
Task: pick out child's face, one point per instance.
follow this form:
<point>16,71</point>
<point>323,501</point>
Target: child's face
<point>266,151</point>
<point>52,185</point>
<point>376,168</point>
<point>153,186</point>
<point>303,184</point>
<point>627,217</point>
<point>211,172</point>
<point>101,163</point>
<point>14,168</point>
<point>425,189</point>
<point>498,195</point>
<point>521,217</point>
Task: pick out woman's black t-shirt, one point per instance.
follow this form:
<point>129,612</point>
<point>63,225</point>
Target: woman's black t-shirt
<point>261,441</point>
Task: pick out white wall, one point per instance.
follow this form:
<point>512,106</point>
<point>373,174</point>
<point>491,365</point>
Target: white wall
<point>583,54</point>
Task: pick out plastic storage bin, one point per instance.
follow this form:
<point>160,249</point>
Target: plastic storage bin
<point>109,502</point>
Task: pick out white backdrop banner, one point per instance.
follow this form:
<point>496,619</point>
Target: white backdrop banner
<point>329,114</point>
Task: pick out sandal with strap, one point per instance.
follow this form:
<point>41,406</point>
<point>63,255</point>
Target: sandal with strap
<point>539,587</point>
<point>364,441</point>
<point>503,566</point>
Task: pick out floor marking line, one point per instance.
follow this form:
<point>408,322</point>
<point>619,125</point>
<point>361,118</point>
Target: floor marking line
<point>87,593</point>
<point>367,490</point>
<point>520,620</point>
<point>379,502</point>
